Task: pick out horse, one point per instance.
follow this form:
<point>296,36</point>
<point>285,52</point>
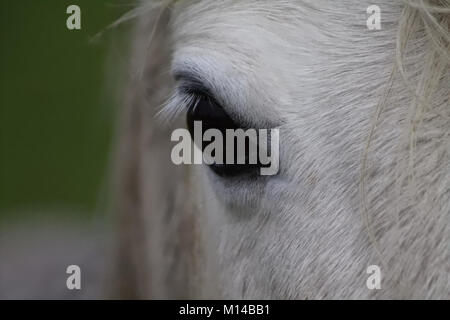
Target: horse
<point>364,151</point>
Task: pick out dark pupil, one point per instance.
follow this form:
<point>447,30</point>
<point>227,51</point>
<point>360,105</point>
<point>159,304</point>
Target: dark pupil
<point>213,116</point>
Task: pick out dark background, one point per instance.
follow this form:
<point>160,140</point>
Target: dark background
<point>58,102</point>
<point>59,94</point>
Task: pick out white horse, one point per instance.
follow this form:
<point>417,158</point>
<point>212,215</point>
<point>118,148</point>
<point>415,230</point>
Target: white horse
<point>364,175</point>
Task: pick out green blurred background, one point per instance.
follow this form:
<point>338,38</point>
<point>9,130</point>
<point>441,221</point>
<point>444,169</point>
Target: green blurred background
<point>57,104</point>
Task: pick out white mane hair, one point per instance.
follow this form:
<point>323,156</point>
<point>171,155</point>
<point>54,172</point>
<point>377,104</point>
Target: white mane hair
<point>364,177</point>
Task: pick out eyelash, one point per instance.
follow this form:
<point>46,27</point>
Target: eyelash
<point>178,103</point>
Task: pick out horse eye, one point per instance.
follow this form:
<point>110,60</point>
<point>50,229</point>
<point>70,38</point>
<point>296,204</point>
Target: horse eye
<point>213,116</point>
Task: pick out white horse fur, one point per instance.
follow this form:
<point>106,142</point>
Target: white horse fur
<point>365,158</point>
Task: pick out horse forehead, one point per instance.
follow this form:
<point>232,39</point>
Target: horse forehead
<point>229,18</point>
<point>282,37</point>
<point>234,28</point>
